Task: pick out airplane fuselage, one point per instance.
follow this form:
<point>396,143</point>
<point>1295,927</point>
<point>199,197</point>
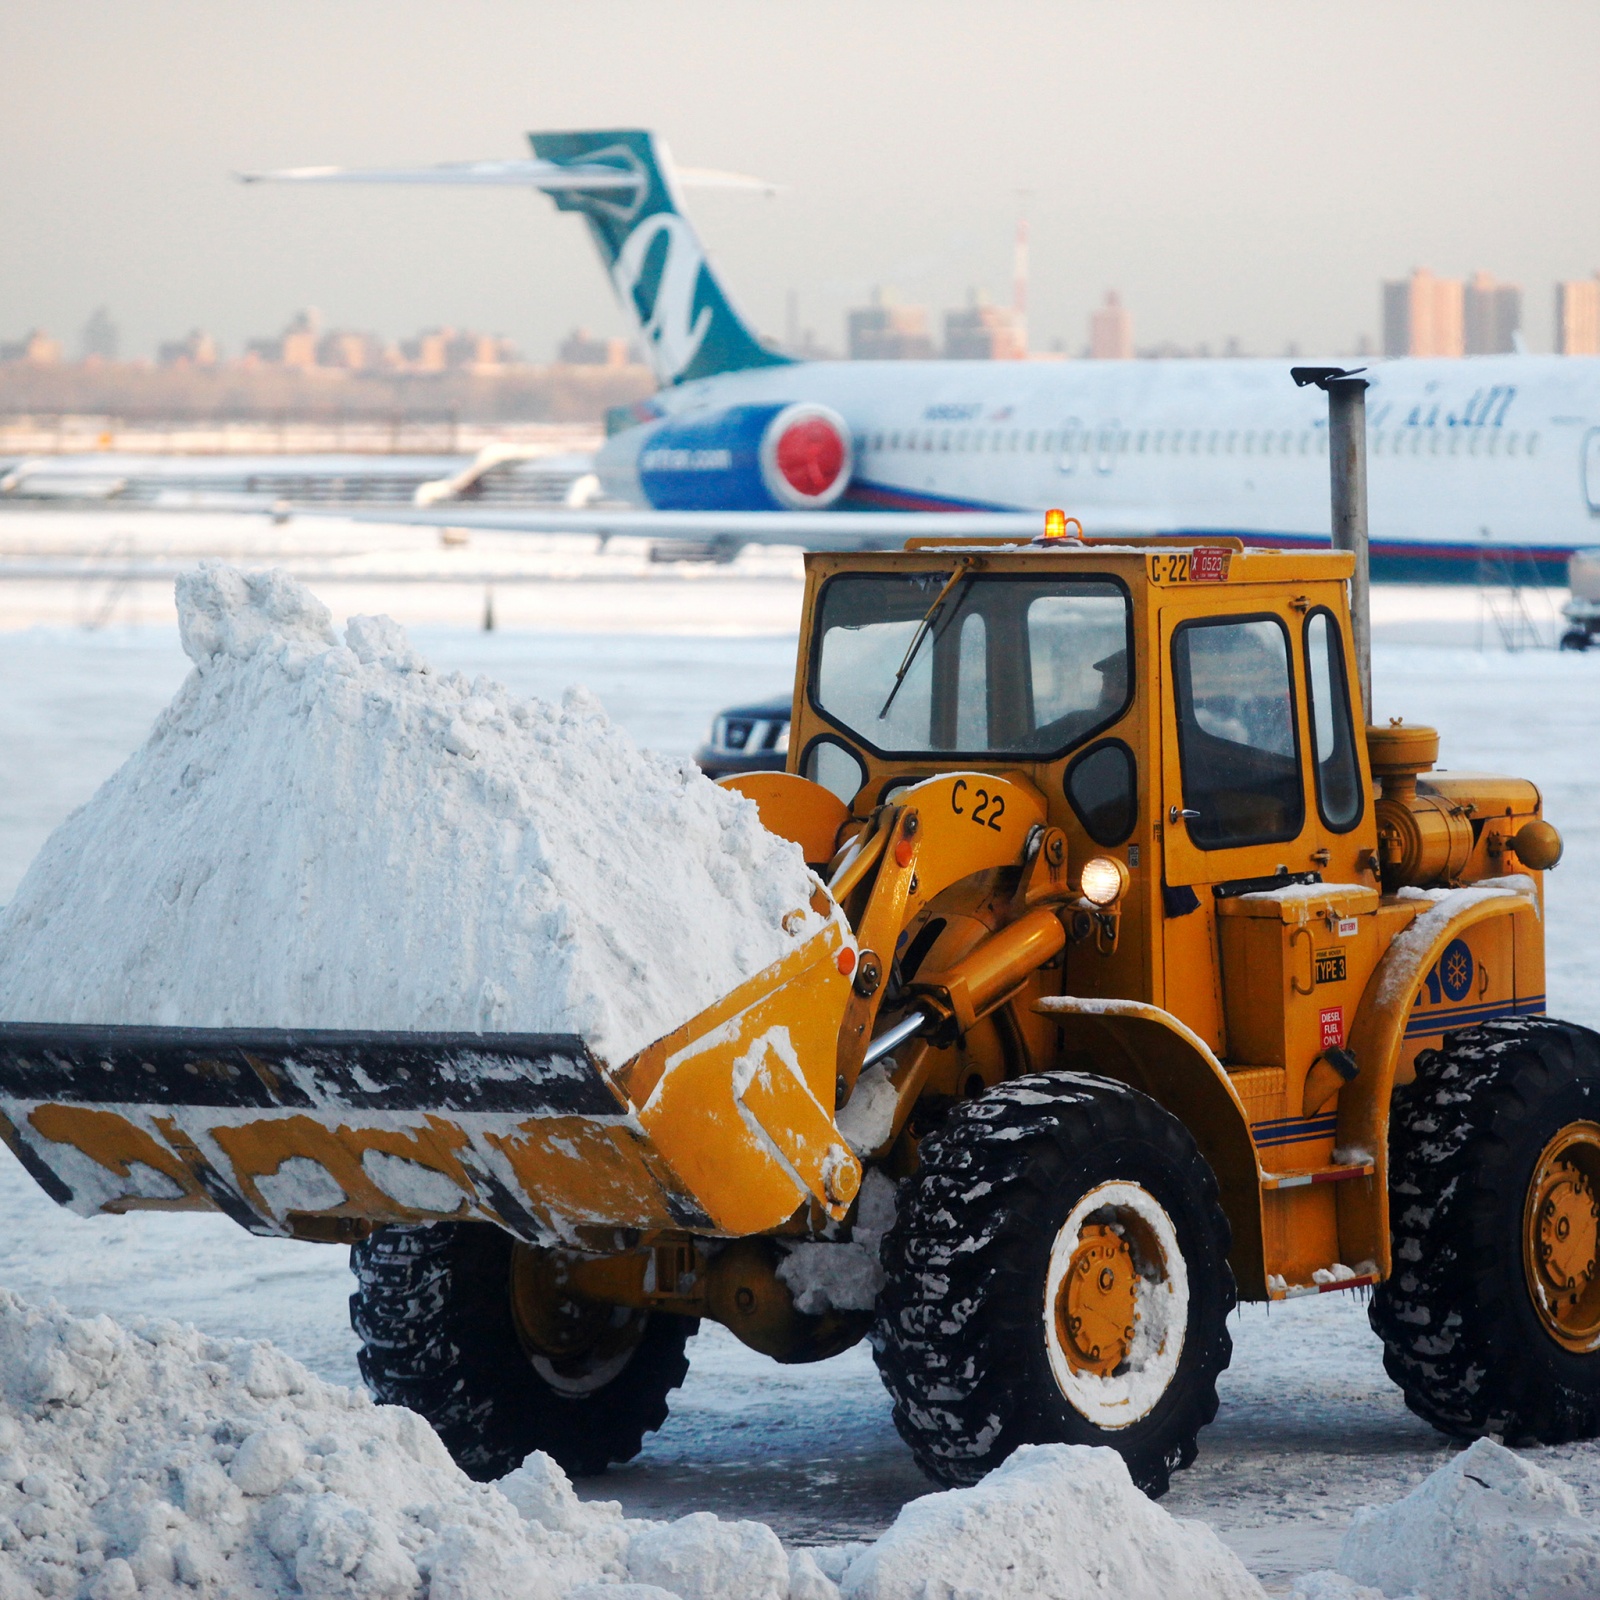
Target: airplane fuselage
<point>1492,459</point>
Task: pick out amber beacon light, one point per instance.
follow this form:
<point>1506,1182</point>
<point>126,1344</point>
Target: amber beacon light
<point>1056,522</point>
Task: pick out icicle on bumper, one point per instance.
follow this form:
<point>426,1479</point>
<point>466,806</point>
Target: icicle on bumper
<point>329,834</point>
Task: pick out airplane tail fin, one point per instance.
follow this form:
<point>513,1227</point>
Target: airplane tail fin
<point>684,317</point>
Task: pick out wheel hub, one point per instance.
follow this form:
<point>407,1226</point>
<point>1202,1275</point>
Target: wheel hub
<point>575,1344</point>
<point>1115,1304</point>
<point>1095,1312</point>
<point>1561,1236</point>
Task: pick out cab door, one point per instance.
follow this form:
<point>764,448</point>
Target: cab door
<point>1235,802</point>
<point>1233,762</point>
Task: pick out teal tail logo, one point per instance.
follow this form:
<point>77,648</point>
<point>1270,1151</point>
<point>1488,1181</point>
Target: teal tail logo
<point>684,318</point>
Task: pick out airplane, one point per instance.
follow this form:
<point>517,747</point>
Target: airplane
<point>1484,468</point>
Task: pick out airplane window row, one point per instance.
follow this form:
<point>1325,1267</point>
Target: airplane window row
<point>1440,441</point>
<point>1101,442</point>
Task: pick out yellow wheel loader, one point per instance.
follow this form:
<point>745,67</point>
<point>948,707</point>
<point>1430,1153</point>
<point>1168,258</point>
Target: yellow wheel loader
<point>1147,975</point>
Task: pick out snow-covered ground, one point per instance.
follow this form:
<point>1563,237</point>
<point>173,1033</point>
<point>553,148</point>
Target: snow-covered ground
<point>1310,1428</point>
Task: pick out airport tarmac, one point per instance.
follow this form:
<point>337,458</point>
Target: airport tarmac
<point>1310,1428</point>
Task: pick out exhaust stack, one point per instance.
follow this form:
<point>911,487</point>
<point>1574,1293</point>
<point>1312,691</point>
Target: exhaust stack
<point>1347,474</point>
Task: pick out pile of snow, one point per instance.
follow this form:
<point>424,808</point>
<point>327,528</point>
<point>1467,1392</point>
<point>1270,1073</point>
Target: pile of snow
<point>1053,1520</point>
<point>329,834</point>
<point>825,1276</point>
<point>1486,1525</point>
<point>156,1461</point>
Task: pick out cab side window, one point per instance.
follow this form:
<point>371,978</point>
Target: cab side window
<point>1102,787</point>
<point>1332,737</point>
<point>1236,732</point>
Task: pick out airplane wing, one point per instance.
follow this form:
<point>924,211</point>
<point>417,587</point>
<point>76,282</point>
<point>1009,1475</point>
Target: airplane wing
<point>550,176</point>
<point>809,530</point>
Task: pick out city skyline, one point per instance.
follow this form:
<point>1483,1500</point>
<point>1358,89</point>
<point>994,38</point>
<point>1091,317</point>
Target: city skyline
<point>1423,314</point>
<point>1244,171</point>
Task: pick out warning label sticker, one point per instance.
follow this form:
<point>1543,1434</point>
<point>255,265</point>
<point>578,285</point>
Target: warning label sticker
<point>1332,1027</point>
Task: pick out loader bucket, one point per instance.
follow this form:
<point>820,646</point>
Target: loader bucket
<point>725,1125</point>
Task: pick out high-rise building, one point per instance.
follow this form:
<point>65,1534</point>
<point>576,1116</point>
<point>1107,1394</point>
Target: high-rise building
<point>1423,316</point>
<point>581,348</point>
<point>1019,289</point>
<point>196,349</point>
<point>299,344</point>
<point>887,331</point>
<point>100,340</point>
<point>38,349</point>
<point>984,332</point>
<point>1111,330</point>
<point>1578,317</point>
<point>1491,316</point>
<point>453,349</point>
<point>429,350</point>
<point>353,352</point>
<point>296,346</point>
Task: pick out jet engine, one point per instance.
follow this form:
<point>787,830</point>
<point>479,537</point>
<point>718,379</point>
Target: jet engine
<point>796,457</point>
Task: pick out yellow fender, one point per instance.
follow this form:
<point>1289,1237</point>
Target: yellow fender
<point>1157,1053</point>
<point>795,808</point>
<point>1375,1041</point>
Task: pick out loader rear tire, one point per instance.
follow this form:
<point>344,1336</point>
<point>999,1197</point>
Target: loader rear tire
<point>1058,1273</point>
<point>442,1333</point>
<point>1490,1319</point>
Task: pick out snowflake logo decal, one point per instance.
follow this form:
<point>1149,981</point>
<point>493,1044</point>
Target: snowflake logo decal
<point>1455,969</point>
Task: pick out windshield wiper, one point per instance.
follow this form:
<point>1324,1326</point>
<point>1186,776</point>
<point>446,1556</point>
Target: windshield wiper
<point>963,568</point>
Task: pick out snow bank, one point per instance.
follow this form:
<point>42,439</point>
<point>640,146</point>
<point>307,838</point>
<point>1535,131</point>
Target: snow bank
<point>160,1462</point>
<point>320,833</point>
<point>824,1276</point>
<point>1335,1586</point>
<point>1485,1525</point>
<point>1054,1520</point>
<point>156,1462</point>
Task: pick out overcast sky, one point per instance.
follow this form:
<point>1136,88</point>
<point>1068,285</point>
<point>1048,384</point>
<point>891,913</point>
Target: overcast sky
<point>1234,169</point>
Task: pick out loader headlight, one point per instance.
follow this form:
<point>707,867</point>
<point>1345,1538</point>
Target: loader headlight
<point>1103,880</point>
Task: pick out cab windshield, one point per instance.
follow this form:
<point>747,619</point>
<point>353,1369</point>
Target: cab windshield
<point>1007,666</point>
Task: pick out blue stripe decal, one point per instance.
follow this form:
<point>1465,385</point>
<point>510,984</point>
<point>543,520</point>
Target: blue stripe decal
<point>864,495</point>
<point>1292,1130</point>
<point>1438,1018</point>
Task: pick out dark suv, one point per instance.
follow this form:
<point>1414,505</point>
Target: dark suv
<point>753,738</point>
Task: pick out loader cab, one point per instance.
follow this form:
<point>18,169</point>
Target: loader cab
<point>1186,710</point>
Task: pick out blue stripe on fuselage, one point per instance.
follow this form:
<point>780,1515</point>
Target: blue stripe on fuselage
<point>864,496</point>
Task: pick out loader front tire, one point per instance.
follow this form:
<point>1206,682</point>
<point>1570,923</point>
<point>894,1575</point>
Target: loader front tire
<point>458,1323</point>
<point>1490,1319</point>
<point>1058,1273</point>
